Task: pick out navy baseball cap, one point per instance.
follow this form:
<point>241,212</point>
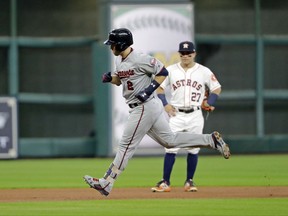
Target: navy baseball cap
<point>186,46</point>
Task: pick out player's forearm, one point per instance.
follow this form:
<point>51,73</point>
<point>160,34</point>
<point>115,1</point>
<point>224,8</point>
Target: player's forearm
<point>115,80</point>
<point>212,98</point>
<point>161,95</point>
<point>161,76</point>
<point>159,79</point>
<point>160,90</point>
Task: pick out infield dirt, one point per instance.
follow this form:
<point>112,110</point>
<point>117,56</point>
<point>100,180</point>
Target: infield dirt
<point>22,195</point>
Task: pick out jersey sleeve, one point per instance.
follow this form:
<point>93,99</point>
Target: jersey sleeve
<point>151,65</point>
<point>166,82</point>
<point>211,81</point>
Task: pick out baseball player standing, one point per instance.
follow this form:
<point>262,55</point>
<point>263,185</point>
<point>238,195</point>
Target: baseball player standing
<point>140,75</point>
<point>188,82</point>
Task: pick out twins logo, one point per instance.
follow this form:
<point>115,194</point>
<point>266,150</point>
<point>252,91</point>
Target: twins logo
<point>125,74</point>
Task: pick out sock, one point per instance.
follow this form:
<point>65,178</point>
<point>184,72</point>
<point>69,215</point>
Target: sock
<point>112,173</point>
<point>168,166</point>
<point>192,160</point>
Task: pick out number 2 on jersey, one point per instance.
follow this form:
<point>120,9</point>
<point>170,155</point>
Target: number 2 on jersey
<point>129,85</point>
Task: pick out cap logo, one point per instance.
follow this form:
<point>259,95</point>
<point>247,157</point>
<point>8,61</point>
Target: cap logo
<point>185,46</point>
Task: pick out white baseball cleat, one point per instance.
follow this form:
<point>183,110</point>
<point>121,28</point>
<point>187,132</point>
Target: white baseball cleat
<point>101,185</point>
<point>220,145</point>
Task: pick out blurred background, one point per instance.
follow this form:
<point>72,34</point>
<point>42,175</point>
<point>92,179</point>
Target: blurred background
<point>52,58</point>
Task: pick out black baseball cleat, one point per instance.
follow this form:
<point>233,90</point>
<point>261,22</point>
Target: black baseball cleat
<point>220,145</point>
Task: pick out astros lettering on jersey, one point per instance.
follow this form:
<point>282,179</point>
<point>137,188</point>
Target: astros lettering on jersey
<point>187,87</point>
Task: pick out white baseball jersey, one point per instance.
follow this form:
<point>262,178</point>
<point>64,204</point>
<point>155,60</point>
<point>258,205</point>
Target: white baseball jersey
<point>188,88</point>
<point>188,91</point>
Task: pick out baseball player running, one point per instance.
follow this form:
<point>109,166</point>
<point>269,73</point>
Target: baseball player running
<point>140,75</point>
<point>188,82</point>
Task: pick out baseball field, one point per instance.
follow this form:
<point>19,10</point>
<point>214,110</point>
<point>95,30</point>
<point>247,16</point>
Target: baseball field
<point>243,185</point>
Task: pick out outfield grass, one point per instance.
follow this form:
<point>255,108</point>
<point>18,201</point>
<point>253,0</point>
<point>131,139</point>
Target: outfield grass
<point>172,207</point>
<point>256,170</point>
<point>253,170</point>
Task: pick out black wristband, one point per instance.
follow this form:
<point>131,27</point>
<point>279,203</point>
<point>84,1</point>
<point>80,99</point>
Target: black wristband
<point>152,87</point>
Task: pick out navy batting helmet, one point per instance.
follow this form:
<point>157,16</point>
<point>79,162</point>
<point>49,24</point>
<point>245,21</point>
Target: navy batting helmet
<point>121,37</point>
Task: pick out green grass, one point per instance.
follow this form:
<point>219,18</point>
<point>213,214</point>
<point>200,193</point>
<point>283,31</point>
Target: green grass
<point>171,207</point>
<point>252,170</point>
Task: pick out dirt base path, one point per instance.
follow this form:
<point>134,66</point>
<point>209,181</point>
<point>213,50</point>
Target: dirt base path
<point>17,195</point>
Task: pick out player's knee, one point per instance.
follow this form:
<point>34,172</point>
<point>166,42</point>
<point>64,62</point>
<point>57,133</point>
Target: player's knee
<point>194,150</point>
<point>172,150</point>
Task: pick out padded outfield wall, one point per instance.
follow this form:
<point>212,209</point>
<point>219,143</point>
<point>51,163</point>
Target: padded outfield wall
<point>54,77</point>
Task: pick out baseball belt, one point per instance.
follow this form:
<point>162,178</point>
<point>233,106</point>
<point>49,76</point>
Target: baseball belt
<point>133,105</point>
<point>189,110</point>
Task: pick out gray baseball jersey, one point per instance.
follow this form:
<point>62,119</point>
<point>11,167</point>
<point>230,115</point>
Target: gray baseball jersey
<point>136,72</point>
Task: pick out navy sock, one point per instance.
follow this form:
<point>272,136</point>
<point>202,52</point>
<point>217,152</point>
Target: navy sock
<point>192,160</point>
<point>168,166</point>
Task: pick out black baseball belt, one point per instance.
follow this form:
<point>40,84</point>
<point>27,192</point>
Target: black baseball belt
<point>133,105</point>
<point>189,110</point>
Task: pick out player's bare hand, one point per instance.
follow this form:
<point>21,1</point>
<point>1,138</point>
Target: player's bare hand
<point>170,110</point>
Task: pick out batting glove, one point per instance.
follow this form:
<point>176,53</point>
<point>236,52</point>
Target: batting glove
<point>106,77</point>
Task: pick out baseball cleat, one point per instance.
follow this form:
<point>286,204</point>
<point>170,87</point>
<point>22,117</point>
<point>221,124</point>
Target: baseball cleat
<point>220,145</point>
<point>190,186</point>
<point>96,184</point>
<point>161,186</point>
